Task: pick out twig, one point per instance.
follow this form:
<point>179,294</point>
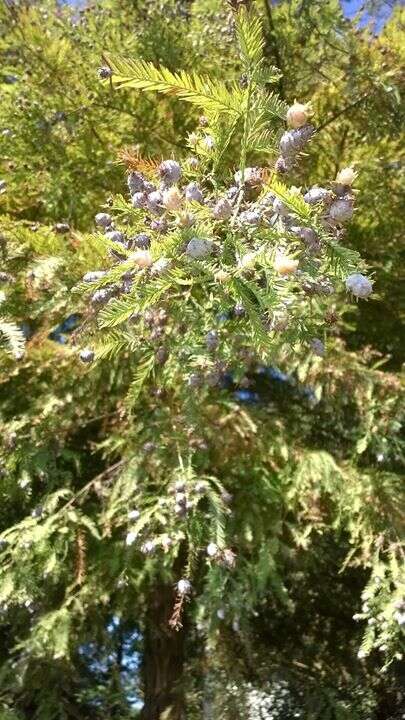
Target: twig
<point>175,620</point>
<point>81,548</point>
<point>343,111</point>
<point>87,487</point>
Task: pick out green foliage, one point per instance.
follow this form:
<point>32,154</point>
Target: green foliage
<point>212,96</point>
<point>354,81</point>
<point>13,336</point>
<point>300,492</point>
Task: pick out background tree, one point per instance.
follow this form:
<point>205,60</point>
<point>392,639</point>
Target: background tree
<point>76,463</point>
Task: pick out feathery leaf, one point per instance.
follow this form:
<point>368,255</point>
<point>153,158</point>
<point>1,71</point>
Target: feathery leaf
<point>212,96</point>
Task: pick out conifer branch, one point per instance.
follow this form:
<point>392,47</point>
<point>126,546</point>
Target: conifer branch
<point>211,95</point>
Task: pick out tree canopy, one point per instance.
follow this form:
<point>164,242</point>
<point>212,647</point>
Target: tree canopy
<point>201,462</point>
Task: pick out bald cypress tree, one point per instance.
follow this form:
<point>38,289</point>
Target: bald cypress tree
<point>191,457</point>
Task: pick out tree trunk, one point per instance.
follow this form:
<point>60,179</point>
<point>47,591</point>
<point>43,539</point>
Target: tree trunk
<point>163,660</point>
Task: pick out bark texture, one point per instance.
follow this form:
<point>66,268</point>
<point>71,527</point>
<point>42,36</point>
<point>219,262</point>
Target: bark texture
<point>163,660</point>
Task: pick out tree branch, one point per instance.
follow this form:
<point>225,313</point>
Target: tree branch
<point>343,111</point>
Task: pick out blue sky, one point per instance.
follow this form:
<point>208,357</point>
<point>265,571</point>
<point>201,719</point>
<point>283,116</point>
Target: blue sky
<point>352,7</point>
